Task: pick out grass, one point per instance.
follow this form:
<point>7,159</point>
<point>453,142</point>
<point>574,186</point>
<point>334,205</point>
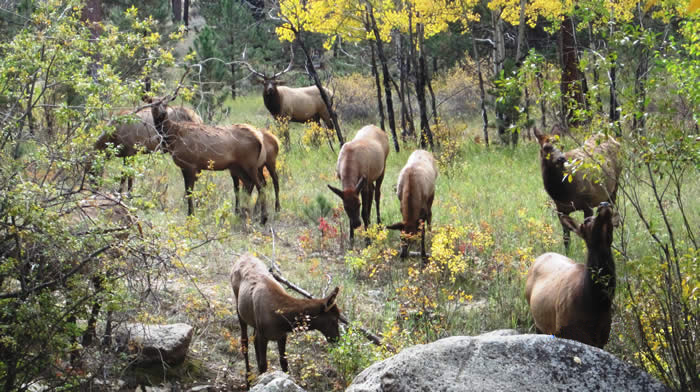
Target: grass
<point>492,192</point>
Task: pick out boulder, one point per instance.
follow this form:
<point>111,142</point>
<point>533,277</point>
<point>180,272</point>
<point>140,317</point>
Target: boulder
<point>276,381</point>
<point>502,362</point>
<point>156,343</point>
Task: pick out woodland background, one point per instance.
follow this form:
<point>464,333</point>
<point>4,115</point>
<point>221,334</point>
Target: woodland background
<point>468,80</point>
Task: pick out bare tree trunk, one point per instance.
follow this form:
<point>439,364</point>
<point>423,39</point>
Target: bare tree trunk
<point>521,31</point>
<point>400,89</point>
<point>482,94</point>
<point>385,74</point>
<point>426,137</point>
<point>573,82</point>
<point>377,82</point>
<point>326,100</point>
<point>543,106</point>
<point>186,14</point>
<point>177,10</point>
<point>432,93</point>
<point>233,81</point>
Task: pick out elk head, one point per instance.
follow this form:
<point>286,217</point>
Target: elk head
<point>327,319</point>
<point>351,201</point>
<point>548,151</point>
<point>596,231</point>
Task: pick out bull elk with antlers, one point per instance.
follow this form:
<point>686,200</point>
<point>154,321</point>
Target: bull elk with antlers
<point>299,104</point>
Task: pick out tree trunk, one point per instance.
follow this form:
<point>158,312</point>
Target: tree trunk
<point>482,94</point>
<point>177,10</point>
<point>614,105</point>
<point>186,14</point>
<point>521,32</point>
<point>543,106</point>
<point>426,137</point>
<point>573,82</point>
<point>385,74</point>
<point>233,81</point>
<point>640,76</point>
<point>499,58</point>
<point>326,100</point>
<point>378,84</point>
<point>400,89</point>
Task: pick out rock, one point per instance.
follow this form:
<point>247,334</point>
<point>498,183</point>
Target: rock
<point>276,381</point>
<point>494,362</point>
<point>155,343</point>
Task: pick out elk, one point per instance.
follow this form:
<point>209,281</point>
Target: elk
<point>139,135</point>
<point>262,303</point>
<point>272,147</point>
<point>570,300</point>
<point>360,168</point>
<point>416,191</point>
<point>299,104</point>
<point>194,147</point>
<point>585,189</point>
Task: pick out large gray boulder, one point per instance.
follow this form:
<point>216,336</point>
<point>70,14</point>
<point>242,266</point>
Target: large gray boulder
<point>503,362</point>
<point>276,381</point>
<point>156,343</point>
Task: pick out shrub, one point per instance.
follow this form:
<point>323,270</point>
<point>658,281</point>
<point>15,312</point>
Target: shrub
<point>356,98</point>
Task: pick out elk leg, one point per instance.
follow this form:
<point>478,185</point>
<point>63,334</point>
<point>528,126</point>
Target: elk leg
<point>190,177</point>
<point>260,352</point>
<point>236,188</point>
<point>377,195</point>
<point>429,213</point>
<point>282,348</point>
<point>275,183</point>
<point>423,255</point>
<point>244,348</point>
<point>367,207</point>
<point>261,196</point>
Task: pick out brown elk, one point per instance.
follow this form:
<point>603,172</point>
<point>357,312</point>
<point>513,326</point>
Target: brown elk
<point>262,303</point>
<point>140,135</point>
<point>570,300</point>
<point>586,188</point>
<point>194,147</point>
<point>416,191</point>
<point>272,148</point>
<point>360,168</point>
<point>299,104</point>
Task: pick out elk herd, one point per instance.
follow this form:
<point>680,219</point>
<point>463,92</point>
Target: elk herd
<point>567,299</point>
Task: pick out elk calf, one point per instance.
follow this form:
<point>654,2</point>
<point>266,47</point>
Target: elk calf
<point>262,303</point>
<point>194,147</point>
<point>587,188</point>
<point>416,190</point>
<point>360,168</point>
<point>570,300</point>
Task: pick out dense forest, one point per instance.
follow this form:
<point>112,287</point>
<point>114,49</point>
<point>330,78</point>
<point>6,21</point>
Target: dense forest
<point>519,104</point>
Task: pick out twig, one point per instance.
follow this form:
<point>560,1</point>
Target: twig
<point>368,334</point>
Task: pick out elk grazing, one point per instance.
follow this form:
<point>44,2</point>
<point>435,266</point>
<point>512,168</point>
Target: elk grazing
<point>194,147</point>
<point>299,104</point>
<point>272,148</point>
<point>262,303</point>
<point>570,300</point>
<point>360,168</point>
<point>140,135</point>
<point>587,188</point>
<point>416,190</point>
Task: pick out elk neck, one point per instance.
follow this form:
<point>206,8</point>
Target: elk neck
<point>293,311</point>
<point>600,277</point>
<point>555,184</point>
<point>272,101</point>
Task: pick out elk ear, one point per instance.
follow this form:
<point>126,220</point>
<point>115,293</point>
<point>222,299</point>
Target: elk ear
<point>396,226</point>
<point>541,138</point>
<point>329,302</point>
<point>570,224</point>
<point>360,185</point>
<point>336,191</point>
<point>147,98</point>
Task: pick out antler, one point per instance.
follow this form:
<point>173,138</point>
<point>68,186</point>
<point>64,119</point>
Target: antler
<point>259,74</point>
<point>291,63</point>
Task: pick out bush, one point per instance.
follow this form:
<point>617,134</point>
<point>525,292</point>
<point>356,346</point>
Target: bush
<point>356,98</point>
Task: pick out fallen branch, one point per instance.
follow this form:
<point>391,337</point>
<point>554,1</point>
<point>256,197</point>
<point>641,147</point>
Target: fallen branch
<point>274,270</point>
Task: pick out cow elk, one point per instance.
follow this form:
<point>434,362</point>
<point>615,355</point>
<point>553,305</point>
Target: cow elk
<point>586,188</point>
<point>570,300</point>
<point>360,168</point>
<point>272,148</point>
<point>194,147</point>
<point>140,135</point>
<point>262,303</point>
<point>416,191</point>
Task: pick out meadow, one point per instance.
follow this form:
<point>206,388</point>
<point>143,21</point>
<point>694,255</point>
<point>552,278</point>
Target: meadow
<point>491,218</point>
